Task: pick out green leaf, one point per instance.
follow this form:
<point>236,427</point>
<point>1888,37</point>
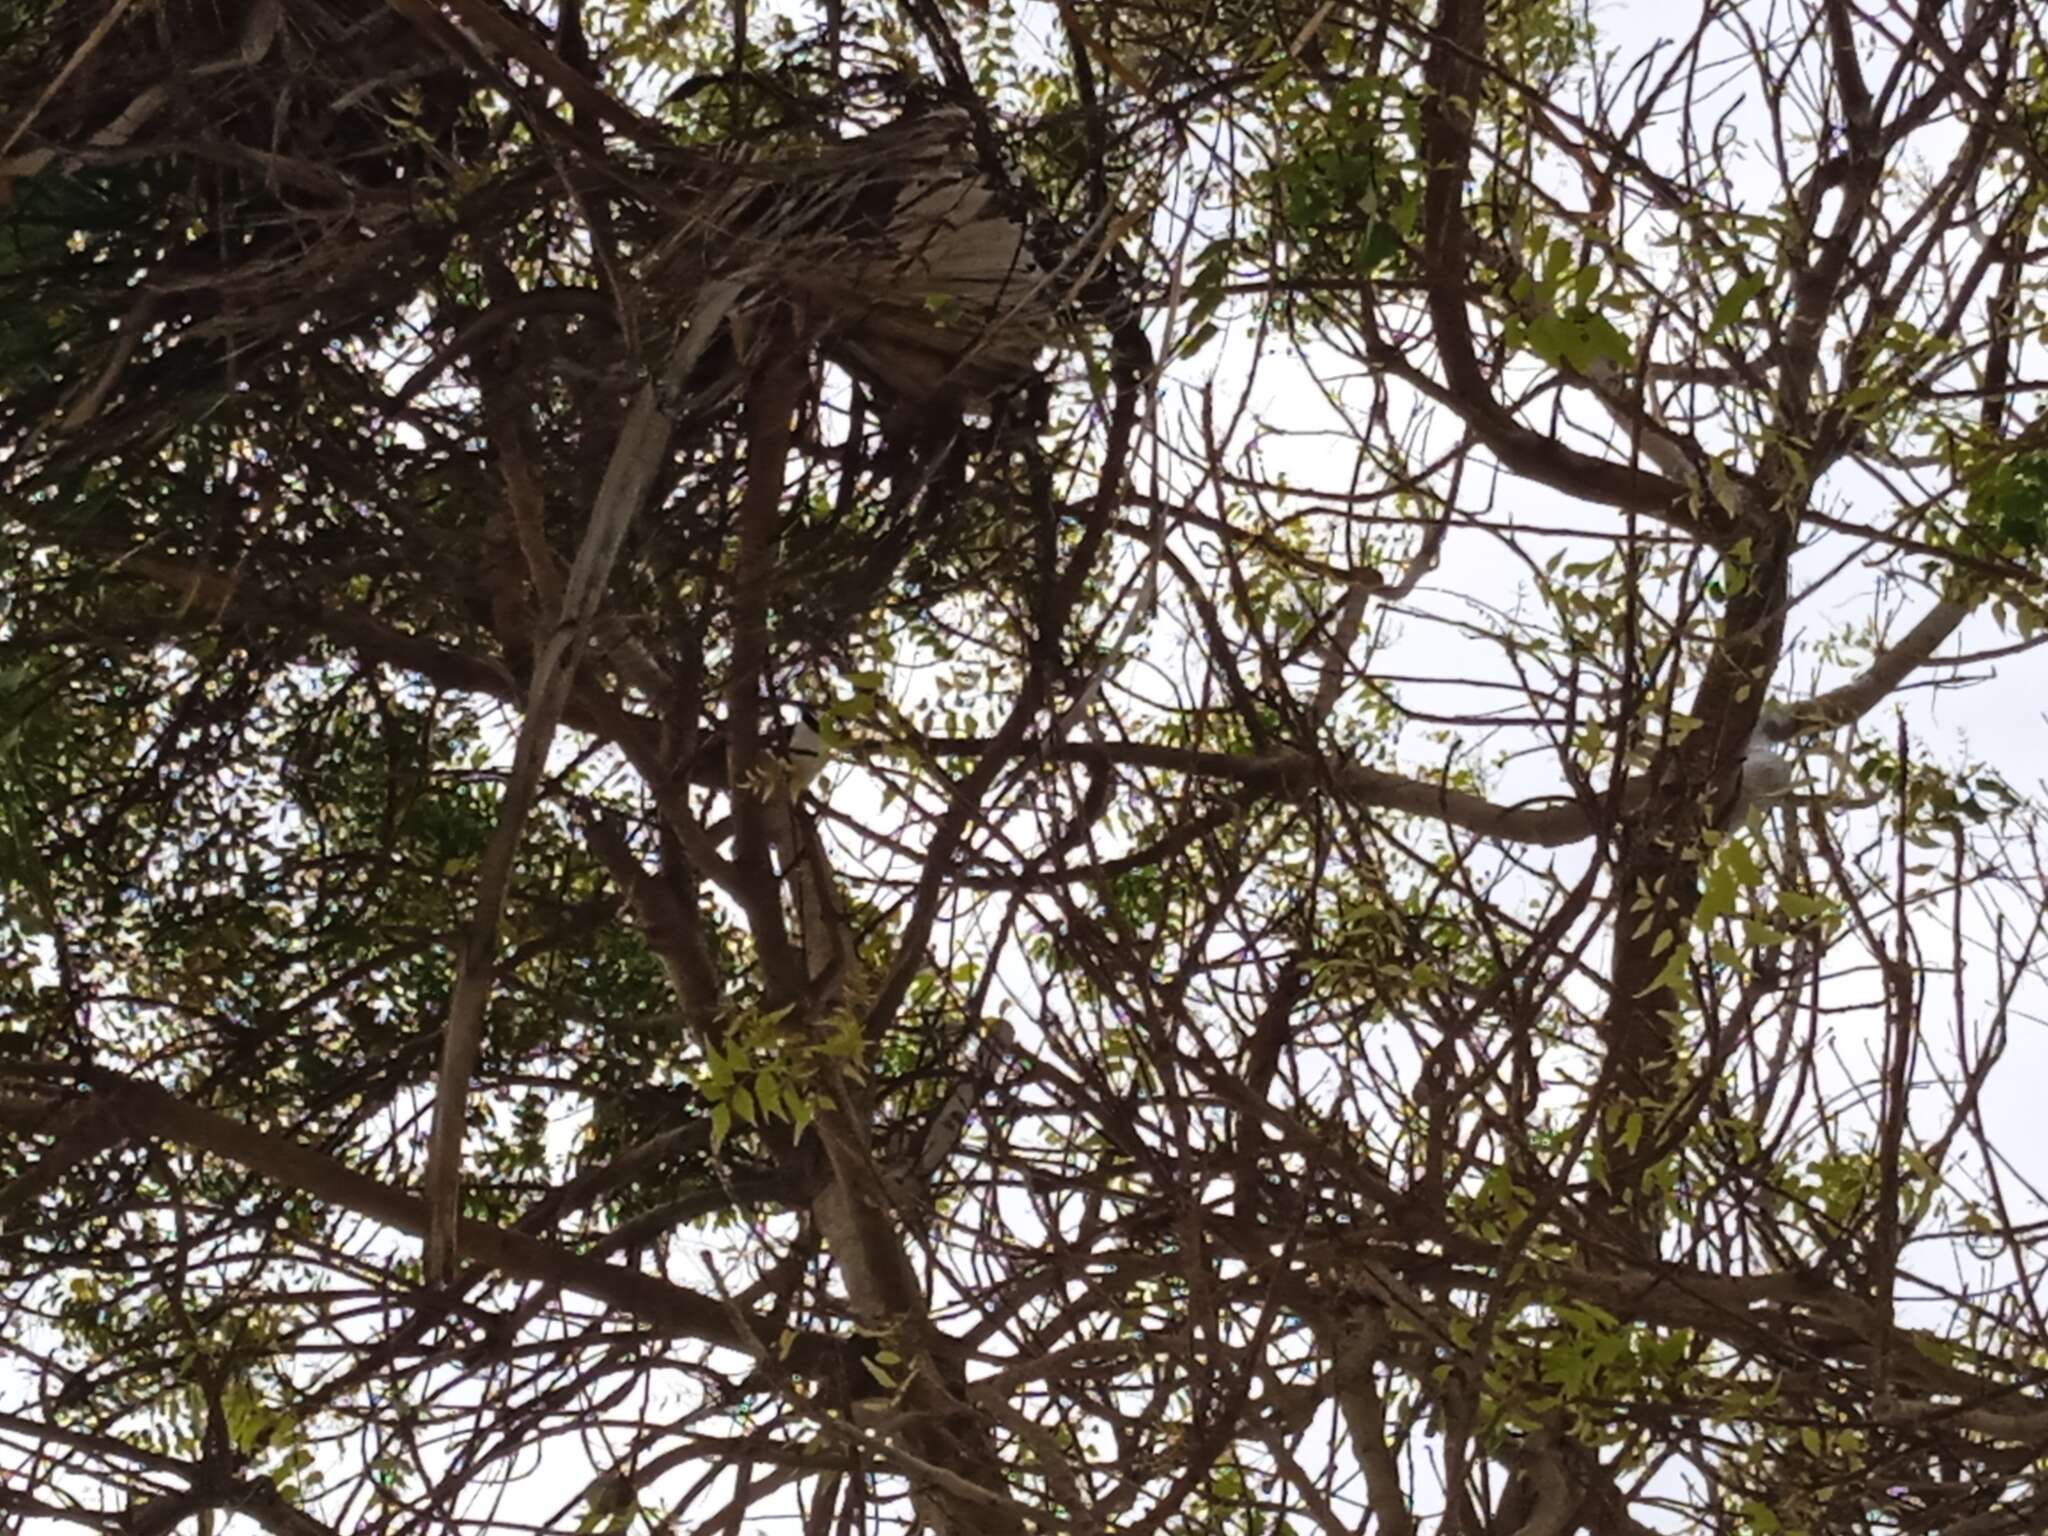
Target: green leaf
<point>1733,303</point>
<point>1717,897</point>
<point>1195,341</point>
<point>1799,906</point>
<point>1674,973</point>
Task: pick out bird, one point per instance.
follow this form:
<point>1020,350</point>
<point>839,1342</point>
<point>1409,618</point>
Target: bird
<point>942,298</point>
<point>1765,779</point>
<point>795,749</point>
<point>802,750</point>
<point>913,266</point>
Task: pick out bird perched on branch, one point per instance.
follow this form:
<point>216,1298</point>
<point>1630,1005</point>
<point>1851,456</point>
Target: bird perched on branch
<point>802,750</point>
<point>794,751</point>
<point>949,299</point>
<point>904,259</point>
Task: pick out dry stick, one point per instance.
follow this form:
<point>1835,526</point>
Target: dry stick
<point>480,36</point>
<point>79,55</point>
<point>85,404</point>
<point>637,458</point>
<point>773,394</point>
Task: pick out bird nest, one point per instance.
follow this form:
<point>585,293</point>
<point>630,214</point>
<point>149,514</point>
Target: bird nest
<point>199,190</point>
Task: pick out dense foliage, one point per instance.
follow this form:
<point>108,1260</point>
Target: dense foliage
<point>1401,934</point>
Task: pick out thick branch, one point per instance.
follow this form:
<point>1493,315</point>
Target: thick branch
<point>637,458</point>
<point>1300,777</point>
<point>145,1110</point>
<point>1889,668</point>
<point>1455,73</point>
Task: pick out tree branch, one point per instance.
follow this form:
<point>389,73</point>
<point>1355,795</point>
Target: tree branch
<point>641,451</point>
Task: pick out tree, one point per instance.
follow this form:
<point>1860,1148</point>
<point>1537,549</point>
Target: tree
<point>1393,942</point>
